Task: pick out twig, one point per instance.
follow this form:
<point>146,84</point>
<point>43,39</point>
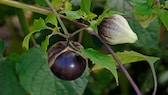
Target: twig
<point>23,21</point>
<point>154,78</point>
<point>20,5</point>
<point>77,24</point>
<point>24,24</point>
<point>58,17</point>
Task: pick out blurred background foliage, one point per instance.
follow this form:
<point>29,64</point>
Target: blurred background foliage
<point>152,41</point>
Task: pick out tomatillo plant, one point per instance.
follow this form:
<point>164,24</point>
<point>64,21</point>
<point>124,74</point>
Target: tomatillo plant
<point>62,63</point>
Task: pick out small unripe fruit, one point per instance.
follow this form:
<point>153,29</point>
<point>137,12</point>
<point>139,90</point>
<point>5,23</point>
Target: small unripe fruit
<point>116,30</point>
<point>65,62</point>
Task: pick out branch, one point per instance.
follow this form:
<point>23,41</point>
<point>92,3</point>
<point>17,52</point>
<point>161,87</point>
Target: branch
<point>58,18</point>
<point>20,5</point>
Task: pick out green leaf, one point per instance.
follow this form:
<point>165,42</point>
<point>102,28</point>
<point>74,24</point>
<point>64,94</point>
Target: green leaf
<point>13,57</point>
<point>51,18</point>
<point>132,56</point>
<point>146,36</point>
<point>146,19</point>
<point>2,47</point>
<point>93,25</point>
<point>73,14</point>
<point>36,77</point>
<point>45,43</point>
<point>163,15</point>
<point>142,7</point>
<point>101,60</point>
<point>85,5</point>
<point>57,3</point>
<point>68,5</point>
<point>25,43</point>
<point>91,16</point>
<point>65,4</point>
<point>9,82</point>
<point>38,25</point>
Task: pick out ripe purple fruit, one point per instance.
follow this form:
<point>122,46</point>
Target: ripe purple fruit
<point>65,62</point>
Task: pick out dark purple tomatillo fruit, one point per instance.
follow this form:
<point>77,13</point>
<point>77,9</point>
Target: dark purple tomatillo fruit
<point>65,62</point>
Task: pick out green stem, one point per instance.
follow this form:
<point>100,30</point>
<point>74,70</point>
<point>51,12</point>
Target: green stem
<point>17,4</point>
<point>58,17</point>
<point>78,31</point>
<point>24,24</point>
<point>154,78</point>
<point>23,21</point>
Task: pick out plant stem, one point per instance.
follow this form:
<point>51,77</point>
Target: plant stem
<point>24,24</point>
<point>154,78</point>
<point>32,8</point>
<point>77,24</point>
<point>76,32</point>
<point>58,17</point>
<point>23,21</point>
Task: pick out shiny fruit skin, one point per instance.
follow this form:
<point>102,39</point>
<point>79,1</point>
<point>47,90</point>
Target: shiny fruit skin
<point>65,62</point>
<point>68,66</point>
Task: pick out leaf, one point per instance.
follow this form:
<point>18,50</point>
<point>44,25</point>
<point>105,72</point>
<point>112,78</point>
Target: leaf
<point>142,7</point>
<point>73,14</point>
<point>13,57</point>
<point>25,43</point>
<point>93,25</point>
<point>101,60</point>
<point>85,6</point>
<point>132,56</point>
<point>163,15</point>
<point>36,77</point>
<point>91,16</point>
<point>38,25</point>
<point>68,5</point>
<point>45,43</point>
<point>146,20</point>
<point>51,18</point>
<point>57,3</point>
<point>9,82</point>
<point>146,36</point>
<point>2,47</point>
